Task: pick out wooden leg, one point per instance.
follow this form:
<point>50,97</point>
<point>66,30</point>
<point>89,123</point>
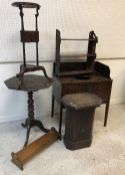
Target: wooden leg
<point>106,113</point>
<point>27,135</point>
<point>31,121</point>
<point>52,108</point>
<point>25,124</point>
<point>60,119</point>
<point>40,125</point>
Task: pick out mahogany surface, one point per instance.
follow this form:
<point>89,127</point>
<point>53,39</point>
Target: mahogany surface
<point>80,109</point>
<point>80,73</point>
<point>99,83</point>
<point>26,4</point>
<point>29,82</point>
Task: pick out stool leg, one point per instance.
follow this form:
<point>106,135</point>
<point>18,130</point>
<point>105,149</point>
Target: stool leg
<point>52,108</point>
<point>60,119</point>
<point>106,113</point>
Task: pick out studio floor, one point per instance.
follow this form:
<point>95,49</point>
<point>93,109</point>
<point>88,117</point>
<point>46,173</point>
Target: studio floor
<point>106,156</point>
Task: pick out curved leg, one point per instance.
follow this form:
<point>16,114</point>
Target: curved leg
<point>30,121</point>
<point>52,108</point>
<point>27,135</point>
<point>25,124</point>
<point>40,125</point>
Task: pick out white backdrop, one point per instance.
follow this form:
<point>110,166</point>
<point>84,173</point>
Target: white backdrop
<point>75,18</point>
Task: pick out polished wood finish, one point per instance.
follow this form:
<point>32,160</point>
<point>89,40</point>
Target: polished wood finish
<point>30,83</point>
<point>97,83</point>
<point>26,4</point>
<point>80,109</point>
<point>22,156</point>
<point>90,57</point>
<point>29,36</point>
<point>77,74</point>
<point>31,121</point>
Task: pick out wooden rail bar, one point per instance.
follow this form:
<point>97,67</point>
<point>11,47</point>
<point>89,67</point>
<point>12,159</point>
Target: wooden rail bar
<point>30,150</point>
<point>77,39</point>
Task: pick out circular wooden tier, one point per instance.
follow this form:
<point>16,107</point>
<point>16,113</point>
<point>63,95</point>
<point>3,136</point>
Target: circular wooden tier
<point>29,83</point>
<point>25,4</point>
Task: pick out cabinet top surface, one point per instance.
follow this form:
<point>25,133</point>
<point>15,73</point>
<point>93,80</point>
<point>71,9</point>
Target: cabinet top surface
<point>83,79</point>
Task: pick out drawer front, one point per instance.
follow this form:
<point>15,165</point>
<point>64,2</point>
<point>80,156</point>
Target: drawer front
<point>73,88</point>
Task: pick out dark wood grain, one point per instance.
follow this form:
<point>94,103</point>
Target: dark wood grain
<point>76,75</point>
<point>30,82</point>
<point>29,36</point>
<point>80,109</point>
<point>26,4</point>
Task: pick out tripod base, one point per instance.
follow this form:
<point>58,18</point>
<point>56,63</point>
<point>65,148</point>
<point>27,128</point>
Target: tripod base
<point>31,121</point>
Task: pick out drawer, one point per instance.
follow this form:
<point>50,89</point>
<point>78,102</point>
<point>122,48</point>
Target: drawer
<point>73,88</point>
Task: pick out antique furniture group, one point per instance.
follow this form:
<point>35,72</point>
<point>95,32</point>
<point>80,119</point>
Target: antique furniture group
<point>79,85</point>
<point>76,75</point>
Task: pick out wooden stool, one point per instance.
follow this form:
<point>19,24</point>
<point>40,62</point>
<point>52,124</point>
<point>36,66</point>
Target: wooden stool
<point>80,109</point>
